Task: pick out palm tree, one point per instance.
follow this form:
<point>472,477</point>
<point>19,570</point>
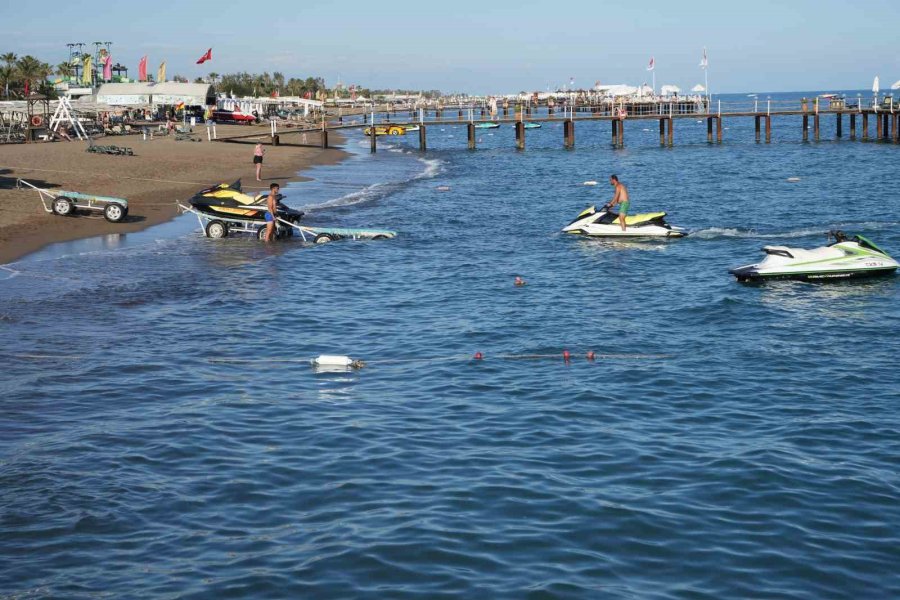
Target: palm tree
<point>65,70</point>
<point>213,77</point>
<point>7,72</point>
<point>31,69</point>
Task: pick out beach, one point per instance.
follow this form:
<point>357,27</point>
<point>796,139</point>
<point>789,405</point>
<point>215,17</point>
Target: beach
<point>161,172</point>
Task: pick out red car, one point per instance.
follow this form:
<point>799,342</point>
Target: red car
<point>232,116</point>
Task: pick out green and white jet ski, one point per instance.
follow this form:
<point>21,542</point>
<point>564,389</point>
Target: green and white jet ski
<point>844,258</point>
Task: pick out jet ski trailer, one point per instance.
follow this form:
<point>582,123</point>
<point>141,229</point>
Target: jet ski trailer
<point>65,203</point>
<point>221,226</point>
<point>605,223</point>
<point>845,258</point>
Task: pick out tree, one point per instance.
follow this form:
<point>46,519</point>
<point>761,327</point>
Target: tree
<point>65,69</point>
<point>32,70</point>
<point>9,71</point>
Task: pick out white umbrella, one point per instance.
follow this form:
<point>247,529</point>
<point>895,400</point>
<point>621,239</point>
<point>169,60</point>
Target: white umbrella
<point>875,87</point>
<point>896,85</point>
<point>668,90</point>
<point>698,88</point>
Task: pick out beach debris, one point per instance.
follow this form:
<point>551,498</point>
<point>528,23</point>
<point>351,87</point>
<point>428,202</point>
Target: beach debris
<point>793,179</point>
<point>592,182</point>
<point>519,282</point>
<point>113,150</point>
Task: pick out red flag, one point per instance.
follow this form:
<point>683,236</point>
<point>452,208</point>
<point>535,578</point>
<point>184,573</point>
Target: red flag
<point>142,69</point>
<point>205,57</point>
<point>27,87</point>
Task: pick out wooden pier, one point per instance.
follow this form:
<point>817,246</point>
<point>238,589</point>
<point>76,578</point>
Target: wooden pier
<point>887,123</point>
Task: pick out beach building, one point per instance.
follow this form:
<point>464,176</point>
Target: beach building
<point>167,93</point>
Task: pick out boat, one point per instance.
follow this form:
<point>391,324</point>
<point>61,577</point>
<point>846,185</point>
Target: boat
<point>229,202</point>
<point>529,125</point>
<point>487,125</point>
<point>605,223</point>
<point>411,127</point>
<point>386,130</point>
<point>845,258</point>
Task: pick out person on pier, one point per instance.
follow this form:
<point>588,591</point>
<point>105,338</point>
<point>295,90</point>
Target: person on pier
<point>620,197</point>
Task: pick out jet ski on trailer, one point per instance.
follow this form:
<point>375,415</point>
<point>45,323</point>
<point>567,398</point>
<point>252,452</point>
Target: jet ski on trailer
<point>844,258</point>
<point>228,201</point>
<point>605,223</point>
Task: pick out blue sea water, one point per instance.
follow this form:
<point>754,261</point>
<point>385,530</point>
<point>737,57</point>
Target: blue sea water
<point>729,441</point>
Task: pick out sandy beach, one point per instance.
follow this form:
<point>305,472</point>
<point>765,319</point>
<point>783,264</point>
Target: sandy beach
<point>161,172</point>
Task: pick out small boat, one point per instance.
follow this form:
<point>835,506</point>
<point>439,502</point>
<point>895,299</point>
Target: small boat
<point>530,125</point>
<point>411,127</point>
<point>386,130</point>
<point>605,223</point>
<point>487,125</point>
<point>844,258</point>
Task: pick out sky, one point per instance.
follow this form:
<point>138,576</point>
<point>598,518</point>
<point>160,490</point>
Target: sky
<point>487,47</point>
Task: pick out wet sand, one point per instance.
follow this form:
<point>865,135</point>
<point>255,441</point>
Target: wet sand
<point>161,172</point>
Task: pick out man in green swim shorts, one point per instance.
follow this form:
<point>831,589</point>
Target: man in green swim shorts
<point>620,198</point>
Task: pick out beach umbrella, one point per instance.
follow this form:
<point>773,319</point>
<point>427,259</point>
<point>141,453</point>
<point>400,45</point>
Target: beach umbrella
<point>896,85</point>
<point>668,90</point>
<point>698,88</point>
<point>875,87</point>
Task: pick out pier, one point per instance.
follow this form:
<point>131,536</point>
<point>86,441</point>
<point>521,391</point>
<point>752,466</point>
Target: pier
<point>886,117</point>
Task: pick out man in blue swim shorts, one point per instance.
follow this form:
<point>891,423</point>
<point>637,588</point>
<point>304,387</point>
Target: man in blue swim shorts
<point>271,206</point>
<point>620,198</point>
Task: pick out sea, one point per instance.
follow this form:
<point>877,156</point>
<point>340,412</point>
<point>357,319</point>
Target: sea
<point>164,434</point>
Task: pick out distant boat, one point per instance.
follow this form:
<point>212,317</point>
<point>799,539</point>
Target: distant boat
<point>532,125</point>
<point>751,95</point>
<point>487,125</point>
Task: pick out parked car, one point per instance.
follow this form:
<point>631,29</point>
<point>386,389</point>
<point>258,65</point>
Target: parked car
<point>233,116</point>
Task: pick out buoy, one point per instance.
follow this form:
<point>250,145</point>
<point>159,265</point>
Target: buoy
<point>519,281</point>
<point>478,356</point>
<point>331,360</point>
<point>590,182</point>
<point>566,355</point>
<point>590,355</point>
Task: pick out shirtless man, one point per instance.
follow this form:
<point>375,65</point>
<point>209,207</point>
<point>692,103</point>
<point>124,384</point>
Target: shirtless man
<point>271,206</point>
<point>620,198</point>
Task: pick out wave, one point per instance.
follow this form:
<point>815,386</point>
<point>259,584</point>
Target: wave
<point>732,232</point>
<point>432,168</point>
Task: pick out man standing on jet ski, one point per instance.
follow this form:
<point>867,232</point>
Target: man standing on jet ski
<point>271,211</point>
<point>620,198</point>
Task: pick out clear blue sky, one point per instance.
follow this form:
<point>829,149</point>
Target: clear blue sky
<point>487,47</point>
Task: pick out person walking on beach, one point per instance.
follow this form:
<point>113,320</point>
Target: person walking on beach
<point>620,197</point>
<point>271,211</point>
<point>257,159</point>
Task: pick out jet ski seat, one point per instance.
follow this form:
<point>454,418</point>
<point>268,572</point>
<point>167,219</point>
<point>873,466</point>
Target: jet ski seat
<point>804,254</point>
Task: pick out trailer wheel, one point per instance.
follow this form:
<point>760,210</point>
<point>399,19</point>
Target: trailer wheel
<point>216,230</point>
<point>63,207</point>
<point>323,238</point>
<point>114,212</point>
<point>261,233</point>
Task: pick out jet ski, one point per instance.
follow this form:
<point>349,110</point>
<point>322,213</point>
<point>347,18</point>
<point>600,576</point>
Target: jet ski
<point>487,125</point>
<point>605,223</point>
<point>227,201</point>
<point>844,258</point>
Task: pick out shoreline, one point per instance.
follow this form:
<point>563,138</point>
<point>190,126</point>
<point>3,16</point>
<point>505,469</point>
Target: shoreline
<point>161,172</point>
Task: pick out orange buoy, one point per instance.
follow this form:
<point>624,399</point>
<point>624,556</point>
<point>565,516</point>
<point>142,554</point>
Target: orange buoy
<point>566,355</point>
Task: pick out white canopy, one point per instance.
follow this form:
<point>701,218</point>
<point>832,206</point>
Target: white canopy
<point>698,88</point>
<point>645,90</point>
<point>896,85</point>
<point>617,90</point>
<point>668,90</point>
<point>875,86</point>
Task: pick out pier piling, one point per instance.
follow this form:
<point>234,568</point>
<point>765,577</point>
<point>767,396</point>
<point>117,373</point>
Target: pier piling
<point>709,129</point>
<point>621,133</point>
<point>671,131</point>
<point>805,127</point>
<point>839,122</point>
<point>894,132</point>
<point>719,130</point>
<point>852,126</point>
<point>615,132</point>
<point>520,135</point>
<point>662,132</point>
<point>422,145</point>
<point>571,139</point>
<point>372,140</point>
<point>324,138</point>
<point>471,131</point>
<point>865,126</point>
<point>768,129</point>
<point>879,133</point>
<point>756,124</point>
<point>886,126</point>
<point>816,126</point>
